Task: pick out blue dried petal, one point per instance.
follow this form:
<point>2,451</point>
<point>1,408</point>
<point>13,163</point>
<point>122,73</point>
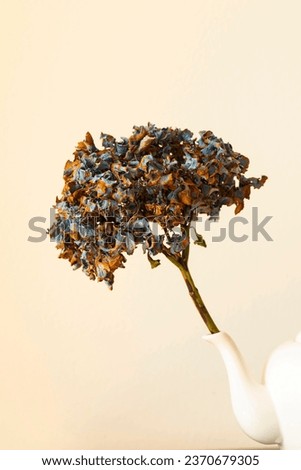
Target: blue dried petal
<point>106,157</point>
<point>133,163</point>
<point>57,235</point>
<point>101,272</point>
<point>228,147</point>
<point>157,132</point>
<point>120,238</point>
<point>174,194</point>
<point>177,242</point>
<point>105,204</point>
<point>108,178</point>
<point>104,163</point>
<point>156,165</point>
<point>130,243</point>
<point>142,227</point>
<point>200,141</point>
<point>85,231</point>
<point>65,224</point>
<point>220,152</point>
<point>172,166</point>
<point>255,182</point>
<point>191,163</point>
<point>186,135</point>
<point>89,162</point>
<point>209,149</point>
<point>64,205</point>
<point>122,147</point>
<point>84,260</point>
<point>101,243</point>
<point>80,175</point>
<point>212,169</point>
<point>243,162</point>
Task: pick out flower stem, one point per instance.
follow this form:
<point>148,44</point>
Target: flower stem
<point>197,299</point>
<point>192,289</point>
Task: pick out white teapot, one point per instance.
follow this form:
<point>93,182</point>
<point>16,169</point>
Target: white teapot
<point>268,412</point>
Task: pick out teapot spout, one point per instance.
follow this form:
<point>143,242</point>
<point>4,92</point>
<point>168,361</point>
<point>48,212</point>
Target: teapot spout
<point>251,401</point>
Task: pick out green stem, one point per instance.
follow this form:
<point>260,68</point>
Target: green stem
<point>192,289</point>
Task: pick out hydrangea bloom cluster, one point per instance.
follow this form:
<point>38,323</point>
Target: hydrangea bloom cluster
<point>113,195</point>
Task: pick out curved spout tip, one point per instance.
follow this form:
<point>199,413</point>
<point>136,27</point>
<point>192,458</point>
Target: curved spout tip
<point>207,337</point>
<point>216,337</point>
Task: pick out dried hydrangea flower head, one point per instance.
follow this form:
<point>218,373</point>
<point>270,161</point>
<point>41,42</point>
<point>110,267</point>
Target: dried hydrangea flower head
<point>113,197</point>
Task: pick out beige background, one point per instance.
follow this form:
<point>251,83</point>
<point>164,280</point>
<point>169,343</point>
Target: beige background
<point>86,368</point>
